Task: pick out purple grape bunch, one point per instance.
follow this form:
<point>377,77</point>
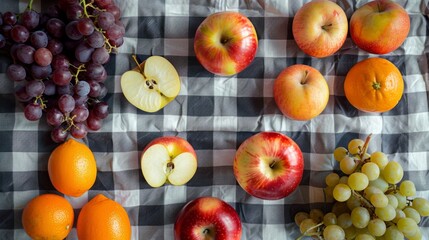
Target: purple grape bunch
<point>58,62</point>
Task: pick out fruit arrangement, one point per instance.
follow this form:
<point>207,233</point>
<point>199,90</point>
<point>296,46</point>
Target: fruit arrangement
<point>371,199</point>
<point>58,67</point>
<point>58,62</point>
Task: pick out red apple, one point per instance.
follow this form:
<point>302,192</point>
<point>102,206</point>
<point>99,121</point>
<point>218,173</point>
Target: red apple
<point>168,159</point>
<point>301,92</point>
<point>207,218</point>
<point>269,165</point>
<point>379,26</point>
<point>225,43</point>
<point>320,28</point>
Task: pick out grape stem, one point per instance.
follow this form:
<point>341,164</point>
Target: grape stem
<point>307,232</point>
<point>365,147</point>
<point>30,5</point>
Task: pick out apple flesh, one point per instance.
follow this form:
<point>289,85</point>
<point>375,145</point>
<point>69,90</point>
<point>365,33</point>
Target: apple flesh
<point>168,159</point>
<point>320,28</point>
<point>151,85</point>
<point>379,26</point>
<point>225,43</point>
<point>207,218</point>
<point>301,92</point>
<point>269,165</point>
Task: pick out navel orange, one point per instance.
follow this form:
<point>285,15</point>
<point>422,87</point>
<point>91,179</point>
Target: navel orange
<point>374,85</point>
<point>72,168</point>
<point>48,216</point>
<point>102,218</point>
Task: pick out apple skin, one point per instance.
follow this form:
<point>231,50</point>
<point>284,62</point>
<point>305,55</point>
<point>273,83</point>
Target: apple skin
<point>379,26</point>
<point>175,146</point>
<point>320,28</point>
<point>207,218</point>
<point>269,165</point>
<point>301,92</point>
<point>225,43</point>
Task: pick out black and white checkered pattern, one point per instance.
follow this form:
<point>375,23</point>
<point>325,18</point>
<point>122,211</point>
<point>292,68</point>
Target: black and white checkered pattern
<point>216,114</point>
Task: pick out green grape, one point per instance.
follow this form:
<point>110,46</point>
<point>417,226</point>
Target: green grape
<point>379,200</point>
<point>407,226</point>
<point>355,146</point>
<point>371,190</point>
<point>380,159</point>
<point>350,232</point>
<point>316,214</point>
<point>364,236</point>
<point>393,172</point>
<point>358,181</point>
<point>348,165</point>
<point>416,236</point>
<point>306,224</point>
<point>360,217</point>
<point>300,216</point>
<point>371,170</point>
<point>342,192</point>
<point>386,214</point>
<point>399,214</point>
<point>402,200</point>
<point>376,227</point>
<point>392,233</point>
<point>412,213</point>
<point>332,179</point>
<point>407,188</point>
<point>344,179</point>
<point>393,201</point>
<point>330,219</point>
<point>421,205</point>
<point>340,153</point>
<point>353,202</point>
<point>344,220</point>
<point>333,232</point>
<point>380,183</point>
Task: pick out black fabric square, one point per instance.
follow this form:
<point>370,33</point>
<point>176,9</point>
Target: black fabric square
<point>278,28</point>
<point>250,213</point>
<point>200,105</point>
<point>242,136</point>
<point>303,139</point>
<point>145,137</point>
<point>7,220</point>
<point>343,106</point>
<point>250,106</point>
<point>44,181</point>
<point>7,140</point>
<point>151,27</point>
<point>104,181</point>
<point>394,143</point>
<point>195,69</point>
<point>194,23</point>
<point>254,70</point>
<point>7,103</point>
<point>203,177</point>
<point>151,215</point>
<point>345,63</point>
<point>100,141</point>
<point>343,139</point>
<point>201,139</point>
<point>21,182</point>
<point>6,180</point>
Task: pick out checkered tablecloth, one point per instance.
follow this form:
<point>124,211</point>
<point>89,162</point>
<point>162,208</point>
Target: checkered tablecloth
<point>216,114</point>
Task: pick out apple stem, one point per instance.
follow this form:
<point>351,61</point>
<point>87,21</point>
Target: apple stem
<point>206,231</point>
<point>305,77</point>
<point>170,167</point>
<point>273,163</point>
<point>138,65</point>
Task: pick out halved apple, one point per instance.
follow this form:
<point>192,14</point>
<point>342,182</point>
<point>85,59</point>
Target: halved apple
<point>151,85</point>
<point>168,159</point>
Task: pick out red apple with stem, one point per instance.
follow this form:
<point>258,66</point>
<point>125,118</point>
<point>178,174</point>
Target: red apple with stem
<point>269,165</point>
<point>225,43</point>
<point>207,218</point>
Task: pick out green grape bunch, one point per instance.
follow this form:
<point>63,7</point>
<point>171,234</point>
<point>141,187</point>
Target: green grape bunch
<point>371,200</point>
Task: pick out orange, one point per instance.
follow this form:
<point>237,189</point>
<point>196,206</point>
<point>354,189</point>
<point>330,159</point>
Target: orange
<point>102,218</point>
<point>72,168</point>
<point>48,216</point>
<point>374,85</point>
